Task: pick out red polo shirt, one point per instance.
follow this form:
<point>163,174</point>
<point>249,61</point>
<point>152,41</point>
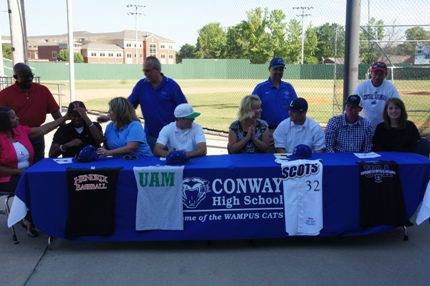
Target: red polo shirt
<point>31,105</point>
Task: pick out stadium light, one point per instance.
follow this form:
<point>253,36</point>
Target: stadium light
<point>303,15</point>
<point>135,13</point>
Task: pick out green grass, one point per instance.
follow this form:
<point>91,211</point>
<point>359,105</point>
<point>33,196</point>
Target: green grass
<point>218,100</point>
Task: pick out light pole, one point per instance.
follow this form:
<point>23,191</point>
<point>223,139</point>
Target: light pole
<point>135,12</point>
<point>303,15</point>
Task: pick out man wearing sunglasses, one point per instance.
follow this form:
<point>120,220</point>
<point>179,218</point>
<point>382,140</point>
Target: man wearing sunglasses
<point>157,95</point>
<point>275,95</point>
<point>374,92</point>
<point>31,102</point>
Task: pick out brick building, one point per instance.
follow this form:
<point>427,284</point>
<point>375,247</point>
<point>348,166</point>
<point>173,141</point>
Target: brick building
<point>125,47</point>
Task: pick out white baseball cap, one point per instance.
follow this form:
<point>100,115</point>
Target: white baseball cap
<point>185,110</point>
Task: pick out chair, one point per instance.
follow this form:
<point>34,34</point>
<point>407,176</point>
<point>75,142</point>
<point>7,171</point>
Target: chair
<point>423,147</point>
<point>6,212</point>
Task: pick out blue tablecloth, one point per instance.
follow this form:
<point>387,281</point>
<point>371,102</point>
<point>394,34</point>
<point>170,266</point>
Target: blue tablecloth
<point>232,206</point>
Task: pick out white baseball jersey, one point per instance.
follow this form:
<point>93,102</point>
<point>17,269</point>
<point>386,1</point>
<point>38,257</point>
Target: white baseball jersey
<point>373,99</point>
<point>303,196</point>
<point>159,197</point>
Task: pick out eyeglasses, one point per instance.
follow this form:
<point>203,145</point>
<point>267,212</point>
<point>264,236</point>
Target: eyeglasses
<point>379,65</point>
<point>129,157</point>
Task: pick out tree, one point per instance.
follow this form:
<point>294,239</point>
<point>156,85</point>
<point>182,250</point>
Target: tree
<point>63,56</point>
<point>211,41</point>
<point>311,46</point>
<point>260,50</point>
<point>370,50</point>
<point>237,45</point>
<point>187,51</point>
<point>415,34</point>
<point>294,42</point>
<point>326,35</point>
<point>7,51</point>
<point>277,26</point>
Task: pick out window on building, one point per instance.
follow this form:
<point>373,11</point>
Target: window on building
<point>119,55</point>
<point>110,55</point>
<point>152,50</point>
<point>170,56</point>
<point>128,45</point>
<point>163,56</point>
<point>162,46</point>
<point>102,54</point>
<point>171,47</point>
<point>54,54</point>
<point>94,54</point>
<point>128,55</point>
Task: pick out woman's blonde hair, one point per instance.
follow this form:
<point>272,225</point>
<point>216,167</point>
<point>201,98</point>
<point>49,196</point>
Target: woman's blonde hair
<point>123,110</point>
<point>246,106</point>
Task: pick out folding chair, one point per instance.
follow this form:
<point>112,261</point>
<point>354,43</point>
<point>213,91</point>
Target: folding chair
<point>6,212</point>
<point>424,147</point>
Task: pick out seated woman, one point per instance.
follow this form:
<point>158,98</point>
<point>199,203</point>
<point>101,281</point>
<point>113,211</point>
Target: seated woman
<point>395,133</point>
<point>16,151</point>
<point>249,134</point>
<point>124,135</point>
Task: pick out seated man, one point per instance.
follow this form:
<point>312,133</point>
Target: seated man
<point>349,132</point>
<point>182,134</point>
<point>298,129</point>
<point>70,138</point>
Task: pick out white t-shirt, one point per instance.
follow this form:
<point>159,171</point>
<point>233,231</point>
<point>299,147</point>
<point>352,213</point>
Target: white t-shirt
<point>288,135</point>
<point>373,99</point>
<point>181,139</point>
<point>22,154</point>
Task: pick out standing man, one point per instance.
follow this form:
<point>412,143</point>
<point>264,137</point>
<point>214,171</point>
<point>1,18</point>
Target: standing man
<point>349,132</point>
<point>298,129</point>
<point>374,92</point>
<point>158,97</point>
<point>31,102</point>
<point>70,138</point>
<point>275,95</point>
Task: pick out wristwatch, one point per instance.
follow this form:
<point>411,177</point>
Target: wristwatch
<point>62,149</point>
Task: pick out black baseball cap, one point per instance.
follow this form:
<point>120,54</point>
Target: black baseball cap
<point>299,104</point>
<point>354,100</point>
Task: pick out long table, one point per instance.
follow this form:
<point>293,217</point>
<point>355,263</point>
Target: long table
<point>240,196</point>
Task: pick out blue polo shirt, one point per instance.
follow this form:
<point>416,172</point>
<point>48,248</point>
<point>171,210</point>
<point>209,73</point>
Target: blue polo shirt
<point>275,101</point>
<point>158,104</point>
<point>133,132</point>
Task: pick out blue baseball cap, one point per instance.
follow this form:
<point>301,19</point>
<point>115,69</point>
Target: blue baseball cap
<point>88,154</point>
<point>299,104</point>
<point>277,62</point>
<point>301,151</point>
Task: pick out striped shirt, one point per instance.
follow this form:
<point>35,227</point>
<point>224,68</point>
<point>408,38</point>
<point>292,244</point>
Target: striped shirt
<point>342,136</point>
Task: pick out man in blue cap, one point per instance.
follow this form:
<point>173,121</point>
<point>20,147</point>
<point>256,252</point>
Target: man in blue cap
<point>275,94</point>
<point>298,129</point>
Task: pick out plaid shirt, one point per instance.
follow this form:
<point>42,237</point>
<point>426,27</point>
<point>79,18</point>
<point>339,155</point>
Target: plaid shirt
<point>341,136</point>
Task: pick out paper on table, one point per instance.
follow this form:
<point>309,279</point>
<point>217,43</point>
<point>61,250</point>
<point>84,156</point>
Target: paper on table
<point>63,160</point>
<point>281,157</point>
<point>367,155</point>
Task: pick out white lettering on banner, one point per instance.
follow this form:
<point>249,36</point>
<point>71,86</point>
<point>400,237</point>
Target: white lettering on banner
<point>298,171</point>
<point>247,185</point>
<point>90,182</point>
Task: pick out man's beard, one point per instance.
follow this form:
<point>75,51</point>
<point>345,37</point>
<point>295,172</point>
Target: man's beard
<point>25,85</point>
